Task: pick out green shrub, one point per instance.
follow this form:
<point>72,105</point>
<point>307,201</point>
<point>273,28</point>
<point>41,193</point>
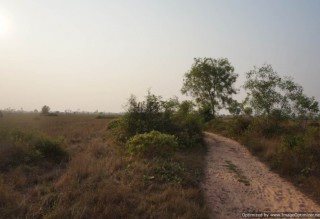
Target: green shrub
<point>295,143</point>
<point>189,131</point>
<point>266,127</point>
<point>169,172</point>
<point>49,148</point>
<point>118,129</point>
<point>17,147</point>
<point>152,144</point>
<point>167,117</point>
<point>239,125</point>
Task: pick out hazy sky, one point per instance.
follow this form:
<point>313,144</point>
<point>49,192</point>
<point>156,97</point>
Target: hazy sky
<point>88,55</point>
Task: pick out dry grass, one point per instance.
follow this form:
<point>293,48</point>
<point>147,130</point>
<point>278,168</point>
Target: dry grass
<point>100,180</point>
<point>299,162</point>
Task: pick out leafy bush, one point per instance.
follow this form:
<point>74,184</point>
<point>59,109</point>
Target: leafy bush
<point>167,117</point>
<point>189,131</point>
<point>119,130</point>
<point>49,148</point>
<point>152,144</point>
<point>292,143</point>
<point>170,172</point>
<point>239,125</point>
<point>264,126</point>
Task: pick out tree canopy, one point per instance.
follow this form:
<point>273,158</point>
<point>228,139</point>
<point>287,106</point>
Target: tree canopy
<point>269,93</point>
<point>210,81</point>
<point>45,110</point>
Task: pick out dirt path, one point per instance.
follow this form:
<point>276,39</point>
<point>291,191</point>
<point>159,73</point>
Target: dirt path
<point>237,182</point>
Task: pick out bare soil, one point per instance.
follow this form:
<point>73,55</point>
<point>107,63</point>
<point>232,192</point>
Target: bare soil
<point>236,182</point>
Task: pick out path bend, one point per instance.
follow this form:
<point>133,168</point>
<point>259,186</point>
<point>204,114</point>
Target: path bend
<point>237,182</point>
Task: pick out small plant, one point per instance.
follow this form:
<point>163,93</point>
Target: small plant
<point>152,144</point>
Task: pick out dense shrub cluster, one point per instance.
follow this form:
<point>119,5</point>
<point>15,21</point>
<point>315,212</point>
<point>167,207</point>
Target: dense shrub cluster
<point>168,117</point>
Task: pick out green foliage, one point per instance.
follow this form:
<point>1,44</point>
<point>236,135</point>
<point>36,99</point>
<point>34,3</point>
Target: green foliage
<point>295,155</point>
<point>271,95</point>
<point>49,149</point>
<point>205,113</point>
<point>295,142</point>
<point>248,111</point>
<point>119,129</point>
<point>210,82</point>
<point>148,115</point>
<point>45,110</point>
<point>168,117</point>
<point>170,172</point>
<point>239,125</point>
<point>19,147</point>
<point>232,127</point>
<point>235,108</point>
<point>290,149</point>
<point>152,144</point>
<point>262,84</point>
<point>189,130</point>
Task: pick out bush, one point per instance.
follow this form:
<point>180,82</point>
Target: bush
<point>239,125</point>
<point>189,131</point>
<point>167,117</point>
<point>266,127</point>
<point>170,172</point>
<point>50,148</point>
<point>19,148</point>
<point>152,144</point>
<point>119,130</point>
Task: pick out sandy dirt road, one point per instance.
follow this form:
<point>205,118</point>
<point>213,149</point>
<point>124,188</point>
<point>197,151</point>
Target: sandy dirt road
<point>237,182</point>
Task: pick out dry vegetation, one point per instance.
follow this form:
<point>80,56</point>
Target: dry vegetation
<point>290,147</point>
<point>97,178</point>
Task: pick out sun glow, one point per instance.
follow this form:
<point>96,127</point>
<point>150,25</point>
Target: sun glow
<point>4,24</point>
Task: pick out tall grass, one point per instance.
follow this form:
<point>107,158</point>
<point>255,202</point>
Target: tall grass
<point>99,179</point>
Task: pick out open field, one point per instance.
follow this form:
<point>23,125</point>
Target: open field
<point>92,177</point>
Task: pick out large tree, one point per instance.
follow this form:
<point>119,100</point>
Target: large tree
<point>210,82</point>
<point>270,93</point>
<point>262,87</point>
<point>45,110</point>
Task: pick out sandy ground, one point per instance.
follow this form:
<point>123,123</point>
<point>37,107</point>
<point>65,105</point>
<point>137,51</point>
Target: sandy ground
<point>237,182</point>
